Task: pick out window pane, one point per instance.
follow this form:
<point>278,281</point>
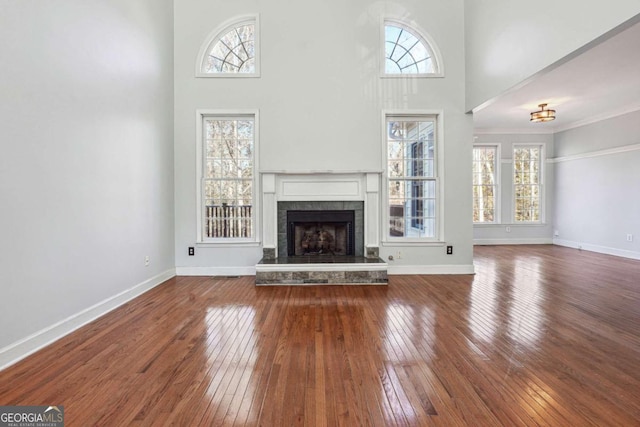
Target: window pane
<point>228,192</point>
<point>396,219</point>
<point>245,192</point>
<point>429,228</point>
<point>210,191</point>
<point>430,189</point>
<point>396,169</point>
<point>213,149</point>
<point>430,208</point>
<point>245,149</point>
<point>245,129</point>
<point>396,190</point>
<point>395,149</point>
<point>229,169</point>
<point>428,168</point>
<point>212,167</point>
<point>245,168</point>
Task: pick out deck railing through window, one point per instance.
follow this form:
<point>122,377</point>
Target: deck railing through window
<point>228,221</point>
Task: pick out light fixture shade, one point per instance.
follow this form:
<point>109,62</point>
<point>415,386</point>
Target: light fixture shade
<point>543,115</point>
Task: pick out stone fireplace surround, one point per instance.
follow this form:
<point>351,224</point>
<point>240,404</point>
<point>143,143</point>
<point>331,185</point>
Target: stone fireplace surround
<point>357,191</point>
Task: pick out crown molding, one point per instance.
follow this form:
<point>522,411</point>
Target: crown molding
<point>598,153</point>
<point>595,119</point>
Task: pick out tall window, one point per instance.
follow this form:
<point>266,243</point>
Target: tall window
<point>527,162</point>
<point>485,184</point>
<point>227,180</point>
<point>407,52</point>
<point>231,51</point>
<point>411,176</point>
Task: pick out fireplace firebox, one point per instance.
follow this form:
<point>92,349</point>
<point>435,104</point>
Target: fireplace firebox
<point>320,232</point>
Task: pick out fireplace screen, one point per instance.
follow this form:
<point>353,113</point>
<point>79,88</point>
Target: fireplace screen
<point>317,233</point>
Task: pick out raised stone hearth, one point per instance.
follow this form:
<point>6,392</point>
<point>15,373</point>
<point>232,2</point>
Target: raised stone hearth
<point>306,270</point>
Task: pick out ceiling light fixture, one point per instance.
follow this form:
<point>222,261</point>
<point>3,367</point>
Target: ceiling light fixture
<point>543,115</point>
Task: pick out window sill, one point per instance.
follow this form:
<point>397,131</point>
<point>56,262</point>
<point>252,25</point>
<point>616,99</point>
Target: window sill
<point>412,76</point>
<point>425,243</point>
<point>233,243</point>
<point>510,224</point>
<point>227,75</point>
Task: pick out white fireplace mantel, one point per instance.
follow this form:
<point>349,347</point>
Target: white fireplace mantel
<point>321,186</point>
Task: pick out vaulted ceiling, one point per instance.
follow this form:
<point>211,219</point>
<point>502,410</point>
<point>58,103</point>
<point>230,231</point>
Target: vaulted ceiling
<point>603,81</point>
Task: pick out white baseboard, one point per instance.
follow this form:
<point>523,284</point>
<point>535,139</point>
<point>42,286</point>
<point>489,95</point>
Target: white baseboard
<point>430,269</point>
<point>216,271</point>
<point>529,241</point>
<point>599,249</point>
<point>19,350</point>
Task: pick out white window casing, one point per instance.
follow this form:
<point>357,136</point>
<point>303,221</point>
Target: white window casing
<point>486,177</point>
<point>231,50</point>
<point>413,181</point>
<point>227,181</point>
<point>408,51</point>
<point>528,183</point>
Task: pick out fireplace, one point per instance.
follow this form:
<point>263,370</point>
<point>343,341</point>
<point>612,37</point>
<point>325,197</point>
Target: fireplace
<point>320,233</point>
<point>315,229</point>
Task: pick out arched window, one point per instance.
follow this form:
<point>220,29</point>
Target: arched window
<point>231,50</point>
<point>407,52</point>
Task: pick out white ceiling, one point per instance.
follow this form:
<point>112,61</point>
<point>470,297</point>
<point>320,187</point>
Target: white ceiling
<point>602,82</point>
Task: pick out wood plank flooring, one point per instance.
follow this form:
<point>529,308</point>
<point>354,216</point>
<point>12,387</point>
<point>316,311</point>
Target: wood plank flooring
<point>541,335</point>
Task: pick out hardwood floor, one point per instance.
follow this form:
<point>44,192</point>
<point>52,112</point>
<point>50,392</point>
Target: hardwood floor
<point>541,335</point>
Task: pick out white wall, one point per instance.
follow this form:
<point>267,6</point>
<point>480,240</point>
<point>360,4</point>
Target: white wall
<point>597,186</point>
<point>86,101</point>
<point>321,99</point>
<point>495,234</point>
<point>509,41</point>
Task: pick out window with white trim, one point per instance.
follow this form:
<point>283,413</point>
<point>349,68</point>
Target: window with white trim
<point>485,184</point>
<point>231,51</point>
<point>407,51</point>
<point>227,184</point>
<point>527,183</point>
<point>412,179</point>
